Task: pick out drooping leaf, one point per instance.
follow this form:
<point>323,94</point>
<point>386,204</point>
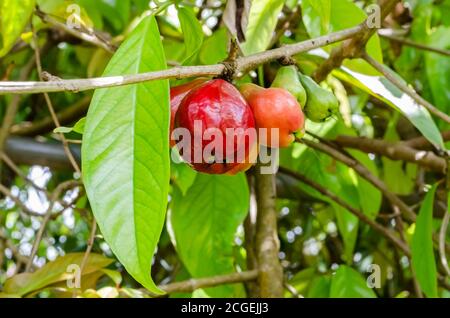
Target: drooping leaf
<point>126,154</point>
<point>192,31</point>
<point>14,17</point>
<point>52,272</point>
<point>348,283</point>
<point>262,21</point>
<point>382,89</point>
<point>204,222</point>
<point>423,261</point>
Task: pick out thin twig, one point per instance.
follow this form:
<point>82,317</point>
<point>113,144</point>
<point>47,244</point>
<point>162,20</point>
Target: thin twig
<point>87,36</point>
<point>18,172</point>
<point>413,44</point>
<point>389,234</point>
<point>365,173</point>
<point>7,193</point>
<point>193,284</point>
<point>48,214</point>
<point>244,64</point>
<point>65,116</point>
<point>405,88</point>
<point>50,106</point>
<point>394,151</point>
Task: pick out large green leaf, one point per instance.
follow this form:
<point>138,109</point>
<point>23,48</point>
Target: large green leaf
<point>423,261</point>
<point>348,283</point>
<point>384,90</point>
<point>126,154</point>
<point>192,31</point>
<point>262,21</point>
<point>325,16</point>
<point>203,224</point>
<point>53,272</point>
<point>14,15</point>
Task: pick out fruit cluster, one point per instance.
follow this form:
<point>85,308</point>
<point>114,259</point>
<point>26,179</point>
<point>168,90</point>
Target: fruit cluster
<point>219,128</point>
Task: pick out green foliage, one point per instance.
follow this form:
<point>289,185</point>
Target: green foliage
<point>262,21</point>
<point>204,222</point>
<point>13,20</point>
<point>127,176</point>
<point>348,283</point>
<point>423,262</point>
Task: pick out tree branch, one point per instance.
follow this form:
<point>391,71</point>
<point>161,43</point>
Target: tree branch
<point>193,284</point>
<point>405,88</point>
<point>389,234</point>
<point>365,173</point>
<point>270,277</point>
<point>394,151</point>
<point>388,35</point>
<point>65,116</point>
<point>243,65</point>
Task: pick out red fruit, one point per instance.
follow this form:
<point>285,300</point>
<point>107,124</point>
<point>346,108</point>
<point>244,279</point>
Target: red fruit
<point>177,93</point>
<point>206,113</point>
<point>274,108</point>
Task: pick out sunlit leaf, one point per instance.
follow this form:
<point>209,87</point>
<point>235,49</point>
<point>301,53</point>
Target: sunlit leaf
<point>126,154</point>
<point>14,17</point>
<point>348,283</point>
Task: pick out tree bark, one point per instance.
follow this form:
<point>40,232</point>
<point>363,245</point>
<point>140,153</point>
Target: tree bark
<point>270,277</point>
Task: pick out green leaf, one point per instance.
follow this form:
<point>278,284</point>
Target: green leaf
<point>52,272</point>
<point>262,21</point>
<point>316,15</point>
<point>344,14</point>
<point>192,31</point>
<point>348,283</point>
<point>438,68</point>
<point>423,261</point>
<point>183,176</point>
<point>370,197</point>
<point>214,49</point>
<point>126,154</point>
<point>14,17</point>
<point>320,287</point>
<point>79,126</point>
<point>203,224</point>
<point>382,89</point>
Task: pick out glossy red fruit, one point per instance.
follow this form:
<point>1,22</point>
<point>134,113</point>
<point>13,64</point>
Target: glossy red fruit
<point>215,114</point>
<point>177,93</point>
<point>274,108</point>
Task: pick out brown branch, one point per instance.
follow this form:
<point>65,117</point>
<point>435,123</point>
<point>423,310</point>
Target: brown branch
<point>243,64</point>
<point>423,143</point>
<point>405,88</point>
<point>407,212</point>
<point>410,43</point>
<point>394,151</point>
<point>83,34</point>
<point>50,105</point>
<point>65,116</point>
<point>270,277</point>
<point>352,47</point>
<point>19,173</point>
<point>193,284</point>
<point>7,193</point>
<point>389,234</point>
